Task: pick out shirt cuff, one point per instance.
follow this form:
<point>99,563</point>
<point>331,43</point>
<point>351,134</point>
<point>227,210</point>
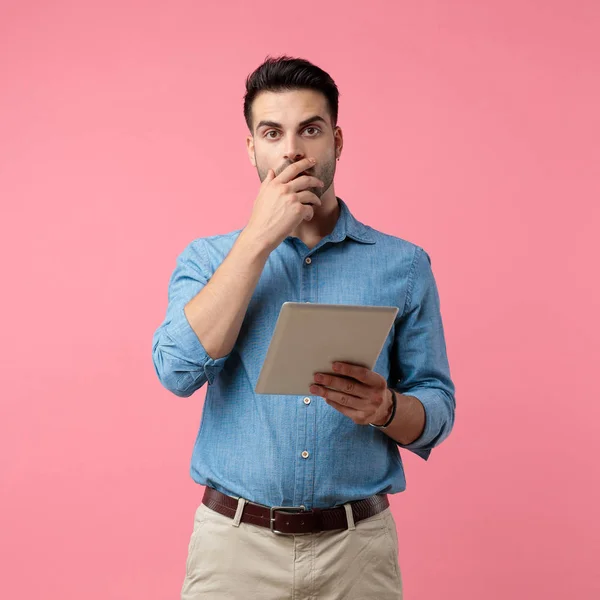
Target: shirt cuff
<point>435,411</point>
<point>180,330</point>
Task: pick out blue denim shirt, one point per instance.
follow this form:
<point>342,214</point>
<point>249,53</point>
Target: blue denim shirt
<point>251,445</point>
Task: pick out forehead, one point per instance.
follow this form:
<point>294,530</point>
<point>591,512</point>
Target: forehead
<point>288,107</point>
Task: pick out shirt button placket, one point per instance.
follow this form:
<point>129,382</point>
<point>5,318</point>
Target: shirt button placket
<point>305,454</point>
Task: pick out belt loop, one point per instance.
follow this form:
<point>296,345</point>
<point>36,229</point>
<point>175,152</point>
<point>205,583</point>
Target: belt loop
<point>349,515</point>
<point>239,511</point>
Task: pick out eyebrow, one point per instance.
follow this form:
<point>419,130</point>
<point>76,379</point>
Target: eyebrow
<point>301,124</point>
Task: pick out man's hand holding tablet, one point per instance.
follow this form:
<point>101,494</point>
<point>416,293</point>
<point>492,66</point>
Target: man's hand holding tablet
<point>359,393</point>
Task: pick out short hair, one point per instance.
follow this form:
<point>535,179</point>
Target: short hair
<point>285,73</point>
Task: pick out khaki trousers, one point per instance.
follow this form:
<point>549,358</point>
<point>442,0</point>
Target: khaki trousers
<point>231,560</point>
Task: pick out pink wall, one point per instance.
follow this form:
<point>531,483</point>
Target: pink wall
<point>471,128</point>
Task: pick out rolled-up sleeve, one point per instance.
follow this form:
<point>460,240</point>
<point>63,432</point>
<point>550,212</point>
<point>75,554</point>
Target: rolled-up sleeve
<point>180,360</point>
<point>420,357</point>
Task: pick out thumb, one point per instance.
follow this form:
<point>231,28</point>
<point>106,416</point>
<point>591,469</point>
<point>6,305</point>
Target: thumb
<point>270,176</point>
<point>267,178</point>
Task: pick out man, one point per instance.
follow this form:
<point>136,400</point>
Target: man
<point>331,458</point>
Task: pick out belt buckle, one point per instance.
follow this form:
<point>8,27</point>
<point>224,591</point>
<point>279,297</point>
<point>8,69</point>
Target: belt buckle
<point>302,508</point>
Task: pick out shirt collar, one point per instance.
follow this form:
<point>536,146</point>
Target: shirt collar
<point>348,226</point>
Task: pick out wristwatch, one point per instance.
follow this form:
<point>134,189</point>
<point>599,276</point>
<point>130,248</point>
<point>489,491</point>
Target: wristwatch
<point>394,400</point>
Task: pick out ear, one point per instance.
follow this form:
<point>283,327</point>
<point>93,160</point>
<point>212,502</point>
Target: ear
<point>339,141</point>
<point>250,149</point>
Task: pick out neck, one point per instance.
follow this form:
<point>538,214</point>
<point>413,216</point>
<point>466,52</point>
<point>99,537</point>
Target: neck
<point>322,224</point>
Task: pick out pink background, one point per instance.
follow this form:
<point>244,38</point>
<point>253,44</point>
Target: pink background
<point>471,128</point>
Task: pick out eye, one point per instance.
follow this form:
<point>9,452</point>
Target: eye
<point>269,136</point>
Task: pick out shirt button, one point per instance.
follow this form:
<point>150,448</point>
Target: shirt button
<point>305,454</point>
<point>308,260</point>
<point>306,400</point>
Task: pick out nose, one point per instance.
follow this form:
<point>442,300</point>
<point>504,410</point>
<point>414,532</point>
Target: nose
<point>293,151</point>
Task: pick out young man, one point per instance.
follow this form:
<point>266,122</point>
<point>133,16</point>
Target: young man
<point>331,458</point>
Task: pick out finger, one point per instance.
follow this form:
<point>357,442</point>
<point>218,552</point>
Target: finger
<point>366,376</point>
<point>305,182</point>
<point>340,398</point>
<point>293,170</point>
<point>343,384</point>
<point>308,212</point>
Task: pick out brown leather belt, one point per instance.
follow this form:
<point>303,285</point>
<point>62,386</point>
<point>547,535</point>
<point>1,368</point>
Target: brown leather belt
<point>294,520</point>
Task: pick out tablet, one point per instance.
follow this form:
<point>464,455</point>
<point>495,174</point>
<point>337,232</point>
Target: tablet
<point>309,337</point>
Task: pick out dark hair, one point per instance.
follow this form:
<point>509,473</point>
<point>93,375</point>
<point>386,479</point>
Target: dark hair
<point>285,74</point>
